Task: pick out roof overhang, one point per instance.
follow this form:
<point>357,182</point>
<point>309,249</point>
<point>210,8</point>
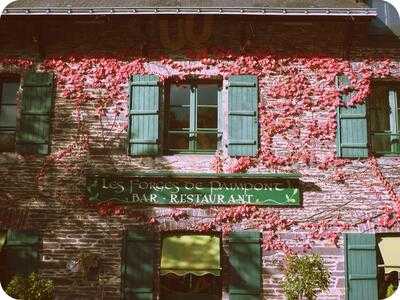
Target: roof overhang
<point>256,11</point>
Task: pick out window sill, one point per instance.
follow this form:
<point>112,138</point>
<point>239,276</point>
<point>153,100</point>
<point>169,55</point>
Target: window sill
<point>386,155</point>
<point>188,153</point>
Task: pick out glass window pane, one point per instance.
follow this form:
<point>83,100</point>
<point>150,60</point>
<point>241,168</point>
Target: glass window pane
<point>207,117</point>
<point>178,141</point>
<point>206,141</point>
<point>379,96</point>
<point>380,120</point>
<point>379,114</point>
<point>8,116</point>
<point>380,143</point>
<point>207,94</point>
<point>9,92</point>
<point>180,94</point>
<point>179,117</point>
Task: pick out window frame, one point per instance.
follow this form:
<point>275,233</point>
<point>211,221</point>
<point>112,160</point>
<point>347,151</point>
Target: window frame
<point>389,86</point>
<point>193,130</point>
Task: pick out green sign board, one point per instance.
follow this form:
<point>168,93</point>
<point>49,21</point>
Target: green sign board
<point>193,191</point>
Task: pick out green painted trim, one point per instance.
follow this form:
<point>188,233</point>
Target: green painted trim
<point>394,120</point>
<point>345,242</point>
<point>132,241</point>
<point>338,133</point>
<point>385,133</point>
<point>386,154</point>
<point>243,99</point>
<point>192,119</point>
<point>350,145</point>
<point>361,246</point>
<point>7,128</point>
<point>245,258</point>
<point>184,152</point>
<point>38,86</point>
<point>142,143</point>
<point>203,175</point>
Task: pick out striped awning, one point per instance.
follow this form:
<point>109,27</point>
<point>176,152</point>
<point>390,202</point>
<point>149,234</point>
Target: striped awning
<point>390,251</point>
<point>196,254</point>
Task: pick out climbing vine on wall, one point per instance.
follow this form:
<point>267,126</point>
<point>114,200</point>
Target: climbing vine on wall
<point>293,91</point>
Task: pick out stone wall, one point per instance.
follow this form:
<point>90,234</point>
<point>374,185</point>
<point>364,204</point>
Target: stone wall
<point>67,227</point>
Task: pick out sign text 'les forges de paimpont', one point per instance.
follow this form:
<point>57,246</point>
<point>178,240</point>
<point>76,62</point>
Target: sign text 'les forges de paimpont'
<point>193,191</point>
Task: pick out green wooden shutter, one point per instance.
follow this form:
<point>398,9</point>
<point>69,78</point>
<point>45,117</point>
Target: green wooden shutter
<point>33,136</point>
<point>246,265</point>
<point>361,266</point>
<point>243,115</point>
<point>144,115</point>
<point>138,266</point>
<point>20,253</point>
<point>351,132</point>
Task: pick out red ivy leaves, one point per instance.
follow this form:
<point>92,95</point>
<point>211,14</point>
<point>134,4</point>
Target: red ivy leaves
<point>217,164</point>
<point>178,214</point>
<point>302,85</point>
<point>390,213</point>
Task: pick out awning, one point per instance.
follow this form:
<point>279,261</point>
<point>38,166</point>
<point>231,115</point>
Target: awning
<point>196,254</point>
<point>390,250</point>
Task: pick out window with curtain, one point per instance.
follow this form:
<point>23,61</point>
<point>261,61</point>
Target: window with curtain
<point>384,120</point>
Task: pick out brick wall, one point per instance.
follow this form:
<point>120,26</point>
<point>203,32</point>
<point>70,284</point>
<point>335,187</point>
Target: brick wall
<point>67,228</point>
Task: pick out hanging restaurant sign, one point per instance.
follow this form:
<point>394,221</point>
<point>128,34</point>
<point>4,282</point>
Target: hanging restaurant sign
<point>196,189</point>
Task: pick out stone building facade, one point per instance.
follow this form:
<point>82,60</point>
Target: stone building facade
<point>294,63</point>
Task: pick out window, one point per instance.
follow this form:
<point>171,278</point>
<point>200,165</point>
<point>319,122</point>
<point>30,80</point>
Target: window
<point>190,267</point>
<point>384,120</point>
<point>371,127</point>
<point>8,113</point>
<point>372,265</point>
<point>18,254</point>
<point>388,264</point>
<point>33,135</point>
<point>192,117</point>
